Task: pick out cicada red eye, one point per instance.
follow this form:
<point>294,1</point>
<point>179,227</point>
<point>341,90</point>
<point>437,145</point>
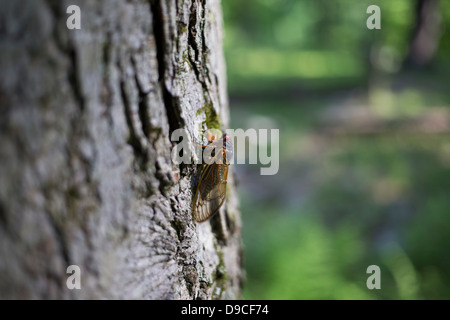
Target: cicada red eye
<point>212,178</point>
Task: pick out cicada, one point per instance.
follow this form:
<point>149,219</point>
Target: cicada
<point>212,177</point>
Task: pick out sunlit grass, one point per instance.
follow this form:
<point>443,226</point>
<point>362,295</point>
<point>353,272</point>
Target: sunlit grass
<point>269,62</point>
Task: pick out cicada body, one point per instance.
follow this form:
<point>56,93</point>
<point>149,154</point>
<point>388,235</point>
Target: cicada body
<point>212,176</point>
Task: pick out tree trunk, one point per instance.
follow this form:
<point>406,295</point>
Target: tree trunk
<point>86,176</point>
<point>426,34</point>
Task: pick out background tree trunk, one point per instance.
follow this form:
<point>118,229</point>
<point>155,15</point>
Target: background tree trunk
<point>86,176</point>
<point>426,34</point>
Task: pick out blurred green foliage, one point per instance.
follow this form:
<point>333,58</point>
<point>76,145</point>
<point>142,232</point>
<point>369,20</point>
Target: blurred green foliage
<point>270,40</point>
<point>364,154</point>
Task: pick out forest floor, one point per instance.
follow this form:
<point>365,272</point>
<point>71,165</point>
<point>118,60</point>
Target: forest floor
<point>364,176</point>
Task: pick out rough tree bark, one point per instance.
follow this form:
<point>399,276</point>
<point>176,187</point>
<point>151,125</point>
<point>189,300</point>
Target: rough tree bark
<point>86,176</point>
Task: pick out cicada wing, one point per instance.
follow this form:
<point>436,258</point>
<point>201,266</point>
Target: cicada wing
<point>211,191</point>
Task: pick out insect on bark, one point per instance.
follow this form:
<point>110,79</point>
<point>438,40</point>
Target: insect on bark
<point>210,192</point>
